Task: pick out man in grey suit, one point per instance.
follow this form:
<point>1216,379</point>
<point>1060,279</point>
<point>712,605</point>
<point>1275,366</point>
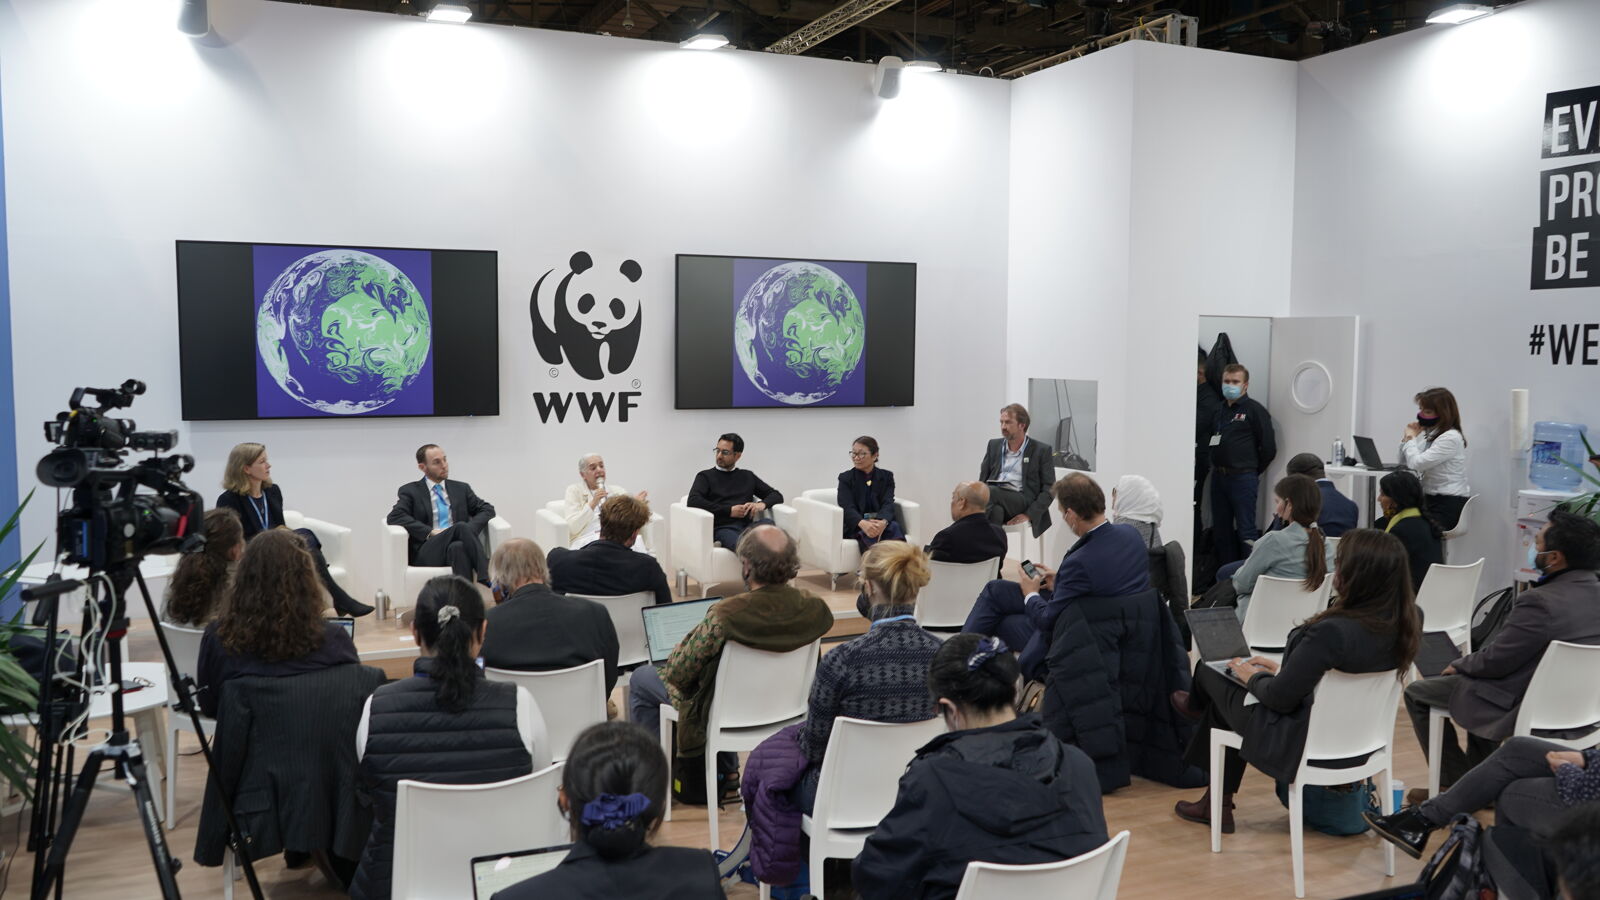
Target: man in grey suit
<point>1019,472</point>
<point>1483,690</point>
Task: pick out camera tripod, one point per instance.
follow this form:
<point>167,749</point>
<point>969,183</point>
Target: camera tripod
<point>51,842</point>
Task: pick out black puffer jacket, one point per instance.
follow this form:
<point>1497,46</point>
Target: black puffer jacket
<point>1009,794</point>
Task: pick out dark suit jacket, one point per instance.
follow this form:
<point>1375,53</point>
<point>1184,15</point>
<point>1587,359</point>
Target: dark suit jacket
<point>1110,561</point>
<point>656,873</point>
<point>857,498</point>
<point>607,569</point>
<point>251,515</point>
<point>413,510</point>
<point>1339,513</point>
<point>1038,474</point>
<point>1424,546</point>
<point>537,629</point>
<point>1564,607</point>
<point>968,539</point>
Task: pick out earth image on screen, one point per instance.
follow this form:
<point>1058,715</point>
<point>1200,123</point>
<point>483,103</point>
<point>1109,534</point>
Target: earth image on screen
<point>799,333</point>
<point>343,331</point>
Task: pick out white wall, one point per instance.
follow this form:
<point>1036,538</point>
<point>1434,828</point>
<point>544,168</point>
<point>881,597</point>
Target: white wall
<point>315,125</point>
<point>1417,189</point>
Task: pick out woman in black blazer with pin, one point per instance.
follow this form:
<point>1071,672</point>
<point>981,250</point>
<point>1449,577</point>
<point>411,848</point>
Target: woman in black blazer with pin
<point>866,494</point>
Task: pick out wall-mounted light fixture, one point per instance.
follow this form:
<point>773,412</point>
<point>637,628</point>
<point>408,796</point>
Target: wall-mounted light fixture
<point>1456,13</point>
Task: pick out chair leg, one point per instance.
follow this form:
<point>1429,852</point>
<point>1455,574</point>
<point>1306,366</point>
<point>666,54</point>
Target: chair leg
<point>818,862</point>
<point>1436,719</point>
<point>1297,838</point>
<point>1216,794</point>
<point>666,749</point>
<point>766,891</point>
<point>227,875</point>
<point>1386,803</point>
<point>172,772</point>
<point>712,795</point>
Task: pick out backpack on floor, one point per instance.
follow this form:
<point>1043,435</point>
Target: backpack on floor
<point>1456,871</point>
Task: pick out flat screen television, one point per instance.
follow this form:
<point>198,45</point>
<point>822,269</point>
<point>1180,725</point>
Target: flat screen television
<point>783,332</point>
<point>284,331</point>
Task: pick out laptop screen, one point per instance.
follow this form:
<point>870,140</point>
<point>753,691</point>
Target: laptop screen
<point>1217,633</point>
<point>1368,451</point>
<point>502,870</point>
<point>667,623</point>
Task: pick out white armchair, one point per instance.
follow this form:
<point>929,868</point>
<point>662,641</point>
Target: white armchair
<point>335,541</point>
<point>403,581</point>
<point>550,528</point>
<point>820,530</point>
<point>693,550</point>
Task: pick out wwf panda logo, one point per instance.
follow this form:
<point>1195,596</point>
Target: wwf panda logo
<point>594,311</point>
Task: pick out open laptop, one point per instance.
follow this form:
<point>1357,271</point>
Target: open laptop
<point>1437,652</point>
<point>1219,637</point>
<point>666,624</point>
<point>502,870</point>
<point>1368,451</point>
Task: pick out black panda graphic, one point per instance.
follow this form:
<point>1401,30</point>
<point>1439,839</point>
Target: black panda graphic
<point>592,314</point>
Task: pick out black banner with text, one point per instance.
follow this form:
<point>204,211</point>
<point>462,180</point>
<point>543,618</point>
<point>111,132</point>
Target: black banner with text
<point>1567,238</point>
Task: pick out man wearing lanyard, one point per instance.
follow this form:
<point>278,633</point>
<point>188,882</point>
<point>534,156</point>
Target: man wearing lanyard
<point>444,519</point>
<point>1019,472</point>
<point>1242,447</point>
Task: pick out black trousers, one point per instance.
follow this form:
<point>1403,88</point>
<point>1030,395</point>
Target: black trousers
<point>1427,693</point>
<point>457,547</point>
<point>1006,504</point>
<point>1223,705</point>
<point>1517,779</point>
<point>340,598</point>
<point>1446,509</point>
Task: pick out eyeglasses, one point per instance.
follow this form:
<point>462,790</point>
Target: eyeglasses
<point>857,454</point>
<point>721,452</point>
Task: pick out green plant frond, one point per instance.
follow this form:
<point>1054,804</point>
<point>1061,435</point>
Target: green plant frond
<point>1582,474</point>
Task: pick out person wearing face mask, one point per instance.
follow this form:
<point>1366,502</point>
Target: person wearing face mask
<point>1106,561</point>
<point>1483,690</point>
<point>1436,449</point>
<point>1242,446</point>
<point>995,788</point>
<point>1407,517</point>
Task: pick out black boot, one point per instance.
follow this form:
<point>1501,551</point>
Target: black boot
<point>347,605</point>
<point>1406,829</point>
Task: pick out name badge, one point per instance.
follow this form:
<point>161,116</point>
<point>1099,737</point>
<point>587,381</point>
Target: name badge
<point>1024,459</point>
<point>1216,439</point>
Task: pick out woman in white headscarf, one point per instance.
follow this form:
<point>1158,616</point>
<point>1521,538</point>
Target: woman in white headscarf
<point>1134,501</point>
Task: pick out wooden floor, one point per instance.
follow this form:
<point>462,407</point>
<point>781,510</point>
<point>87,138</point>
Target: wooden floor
<point>1167,858</point>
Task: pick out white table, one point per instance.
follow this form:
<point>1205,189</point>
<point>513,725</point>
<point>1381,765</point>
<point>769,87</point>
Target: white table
<point>1362,473</point>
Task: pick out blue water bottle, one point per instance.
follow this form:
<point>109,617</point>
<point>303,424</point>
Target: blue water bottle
<point>1555,444</point>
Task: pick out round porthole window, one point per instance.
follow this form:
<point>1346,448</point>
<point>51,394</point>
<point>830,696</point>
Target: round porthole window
<point>1311,387</point>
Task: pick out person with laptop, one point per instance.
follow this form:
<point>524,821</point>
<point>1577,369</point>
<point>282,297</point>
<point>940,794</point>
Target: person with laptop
<point>1435,447</point>
<point>585,498</point>
<point>1242,446</point>
<point>1484,689</point>
<point>536,629</point>
<point>736,498</point>
<point>609,565</point>
<point>446,724</point>
<point>614,791</point>
<point>1374,626</point>
<point>1406,516</point>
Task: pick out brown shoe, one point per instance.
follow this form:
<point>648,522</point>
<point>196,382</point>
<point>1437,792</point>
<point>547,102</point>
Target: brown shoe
<point>1199,811</point>
<point>1417,796</point>
<point>1180,702</point>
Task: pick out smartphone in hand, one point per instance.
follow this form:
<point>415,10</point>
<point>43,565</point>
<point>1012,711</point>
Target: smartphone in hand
<point>1029,569</point>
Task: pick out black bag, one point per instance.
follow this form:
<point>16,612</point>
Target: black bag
<point>1223,593</point>
<point>1490,613</point>
<point>1456,871</point>
<point>689,778</point>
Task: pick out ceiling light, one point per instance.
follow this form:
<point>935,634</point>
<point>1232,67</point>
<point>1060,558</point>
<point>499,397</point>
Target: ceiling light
<point>1456,13</point>
<point>449,11</point>
<point>923,65</point>
<point>704,42</point>
<point>193,18</point>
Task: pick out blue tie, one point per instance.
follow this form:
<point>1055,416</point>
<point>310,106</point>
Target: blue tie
<point>441,508</point>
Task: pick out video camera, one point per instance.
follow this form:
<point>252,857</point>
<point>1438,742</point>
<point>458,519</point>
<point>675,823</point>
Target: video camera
<point>109,522</point>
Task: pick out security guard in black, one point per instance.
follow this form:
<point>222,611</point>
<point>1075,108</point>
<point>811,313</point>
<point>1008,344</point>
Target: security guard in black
<point>1242,447</point>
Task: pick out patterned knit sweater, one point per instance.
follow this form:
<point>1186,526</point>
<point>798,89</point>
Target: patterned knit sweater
<point>1573,785</point>
<point>881,676</point>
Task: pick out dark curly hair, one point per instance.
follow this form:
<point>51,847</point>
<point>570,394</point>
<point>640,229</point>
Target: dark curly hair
<point>273,608</point>
<point>195,590</point>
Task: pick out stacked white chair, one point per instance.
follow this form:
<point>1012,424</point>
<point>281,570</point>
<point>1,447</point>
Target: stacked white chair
<point>403,581</point>
<point>1446,599</point>
<point>1095,875</point>
<point>943,606</point>
<point>569,700</point>
<point>821,532</point>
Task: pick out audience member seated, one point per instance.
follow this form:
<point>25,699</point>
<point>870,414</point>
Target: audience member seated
<point>736,498</point>
<point>1019,472</point>
<point>200,579</point>
<point>1484,689</point>
<point>970,537</point>
<point>271,621</point>
<point>1296,550</point>
<point>608,565</point>
<point>584,500</point>
<point>1530,783</point>
<point>866,494</point>
<point>1405,515</point>
<point>1373,626</point>
<point>996,788</point>
<point>613,791</point>
<point>773,615</point>
<point>444,519</point>
<point>536,629</point>
<point>446,724</point>
<point>1135,502</point>
<point>881,676</point>
<point>247,489</point>
<point>1106,561</point>
<point>1339,513</point>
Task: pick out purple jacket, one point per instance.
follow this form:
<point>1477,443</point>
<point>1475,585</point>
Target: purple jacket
<point>774,768</point>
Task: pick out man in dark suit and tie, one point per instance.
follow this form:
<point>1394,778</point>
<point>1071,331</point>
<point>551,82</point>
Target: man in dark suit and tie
<point>1019,472</point>
<point>444,519</point>
<point>610,566</point>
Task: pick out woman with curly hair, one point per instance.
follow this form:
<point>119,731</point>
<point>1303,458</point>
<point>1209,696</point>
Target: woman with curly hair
<point>195,591</point>
<point>271,620</point>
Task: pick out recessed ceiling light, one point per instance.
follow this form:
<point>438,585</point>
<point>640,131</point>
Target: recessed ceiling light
<point>449,12</point>
<point>923,65</point>
<point>1456,13</point>
<point>704,42</point>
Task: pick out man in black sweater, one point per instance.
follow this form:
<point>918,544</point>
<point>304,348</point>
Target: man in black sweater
<point>1242,446</point>
<point>536,629</point>
<point>970,537</point>
<point>736,497</point>
<point>610,566</point>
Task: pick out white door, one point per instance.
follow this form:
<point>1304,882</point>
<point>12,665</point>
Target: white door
<point>1314,373</point>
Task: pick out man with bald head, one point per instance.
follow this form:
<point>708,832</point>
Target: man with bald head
<point>970,537</point>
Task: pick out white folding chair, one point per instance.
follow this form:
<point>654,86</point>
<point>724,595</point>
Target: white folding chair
<point>440,828</point>
<point>1446,599</point>
<point>1277,605</point>
<point>570,700</point>
<point>1561,697</point>
<point>1352,717</point>
<point>550,528</point>
<point>403,581</point>
<point>821,532</point>
<point>335,540</point>
<point>952,588</point>
<point>757,694</point>
<point>1461,526</point>
<point>1095,875</point>
<point>856,789</point>
<point>694,552</point>
<point>1024,533</point>
<point>625,617</point>
<point>185,644</point>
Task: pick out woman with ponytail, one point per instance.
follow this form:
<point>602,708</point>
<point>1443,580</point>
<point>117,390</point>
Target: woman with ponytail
<point>1297,550</point>
<point>613,791</point>
<point>446,724</point>
<point>996,788</point>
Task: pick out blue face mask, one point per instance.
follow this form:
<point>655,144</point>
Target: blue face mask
<point>1533,560</point>
<point>1233,391</point>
